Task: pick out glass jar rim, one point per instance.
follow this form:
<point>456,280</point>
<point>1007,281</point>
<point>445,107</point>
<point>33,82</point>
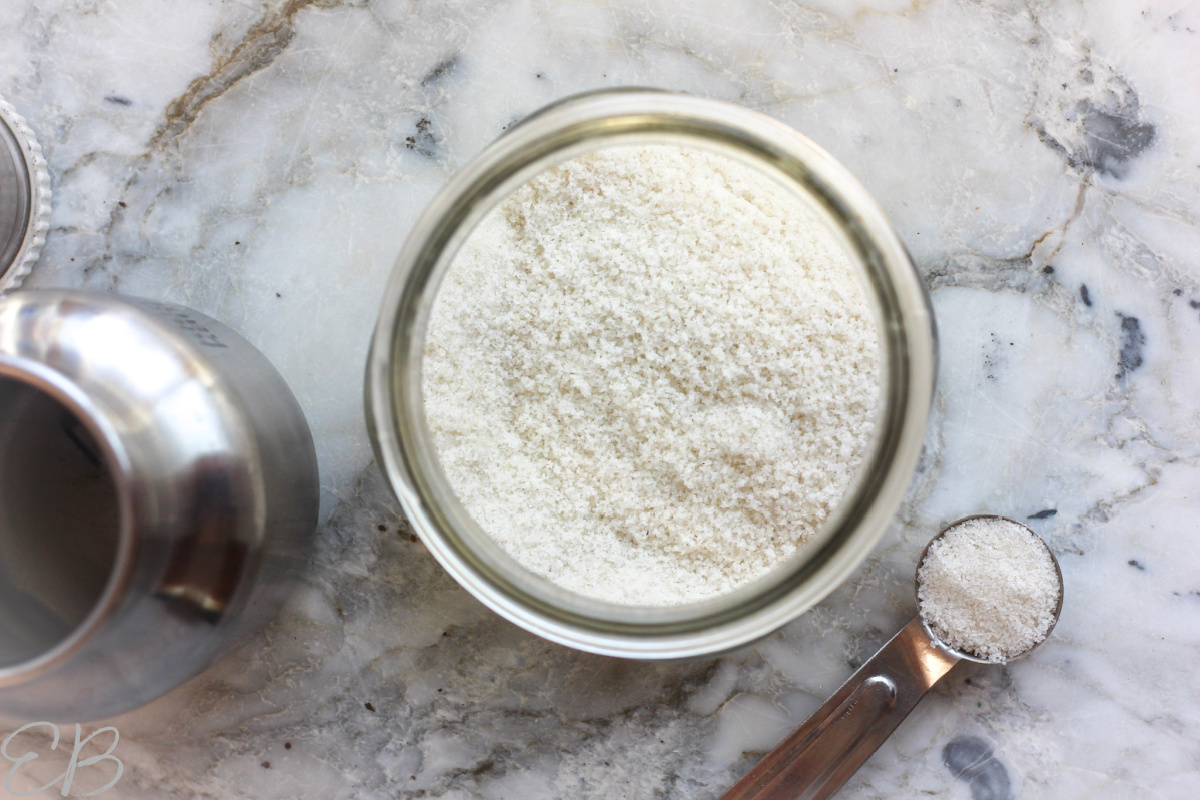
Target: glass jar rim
<point>404,447</point>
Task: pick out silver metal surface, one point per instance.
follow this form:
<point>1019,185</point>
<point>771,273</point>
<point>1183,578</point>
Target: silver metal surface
<point>158,494</point>
<point>815,760</point>
<point>819,756</point>
<point>395,401</point>
<point>24,198</point>
<point>16,196</point>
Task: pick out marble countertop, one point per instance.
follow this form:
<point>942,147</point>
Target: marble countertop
<point>263,161</point>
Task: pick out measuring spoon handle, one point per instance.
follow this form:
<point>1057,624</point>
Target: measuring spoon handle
<point>818,757</point>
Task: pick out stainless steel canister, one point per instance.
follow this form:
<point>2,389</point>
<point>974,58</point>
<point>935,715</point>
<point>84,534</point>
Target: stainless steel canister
<point>404,444</point>
<point>158,493</point>
<point>24,198</point>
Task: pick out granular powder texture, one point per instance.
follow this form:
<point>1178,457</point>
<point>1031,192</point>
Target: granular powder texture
<point>988,587</point>
<point>650,374</point>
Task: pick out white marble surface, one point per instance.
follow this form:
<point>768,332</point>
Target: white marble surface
<point>262,162</point>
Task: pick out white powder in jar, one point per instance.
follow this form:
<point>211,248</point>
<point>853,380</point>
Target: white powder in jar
<point>988,587</point>
<point>651,374</point>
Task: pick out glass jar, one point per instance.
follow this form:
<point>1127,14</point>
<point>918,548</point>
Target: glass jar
<point>404,445</point>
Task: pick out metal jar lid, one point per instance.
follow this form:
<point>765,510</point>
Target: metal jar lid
<point>24,198</point>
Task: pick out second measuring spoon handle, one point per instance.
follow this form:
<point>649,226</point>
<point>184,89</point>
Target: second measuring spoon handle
<point>820,755</point>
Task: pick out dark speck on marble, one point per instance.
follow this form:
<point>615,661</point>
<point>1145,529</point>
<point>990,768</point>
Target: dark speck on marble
<point>1047,270</point>
<point>422,141</point>
<point>1113,138</point>
<point>1085,295</point>
<point>117,100</point>
<point>1045,513</point>
<point>1133,562</point>
<point>971,759</point>
<point>1102,136</point>
<point>440,70</point>
<point>1132,342</point>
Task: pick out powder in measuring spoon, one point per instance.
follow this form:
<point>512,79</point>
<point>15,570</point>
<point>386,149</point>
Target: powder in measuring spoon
<point>988,587</point>
<point>651,374</point>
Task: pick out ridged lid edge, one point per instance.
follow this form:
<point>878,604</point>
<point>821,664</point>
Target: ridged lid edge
<point>12,275</point>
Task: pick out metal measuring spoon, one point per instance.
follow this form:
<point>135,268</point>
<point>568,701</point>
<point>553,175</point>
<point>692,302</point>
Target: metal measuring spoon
<point>818,757</point>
